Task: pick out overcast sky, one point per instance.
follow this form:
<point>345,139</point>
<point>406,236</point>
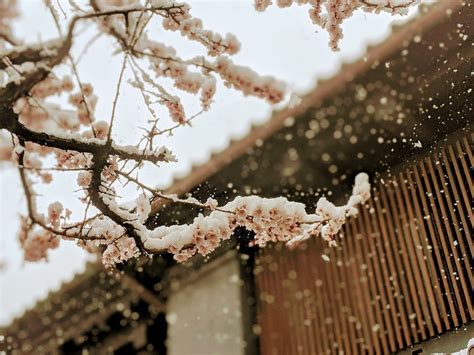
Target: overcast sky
<point>282,43</point>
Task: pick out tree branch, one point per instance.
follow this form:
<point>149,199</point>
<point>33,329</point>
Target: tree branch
<point>9,121</point>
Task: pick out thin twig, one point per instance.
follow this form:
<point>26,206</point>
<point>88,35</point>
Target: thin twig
<point>117,94</point>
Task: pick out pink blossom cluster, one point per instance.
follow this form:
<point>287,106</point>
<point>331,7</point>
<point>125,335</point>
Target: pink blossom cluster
<point>8,11</point>
<point>176,110</point>
<point>37,114</point>
<point>31,114</point>
<point>109,174</point>
<point>143,207</point>
<point>334,217</point>
<point>208,89</point>
<point>85,102</point>
<point>52,86</point>
<point>67,159</point>
<point>104,234</point>
<point>32,157</point>
<point>84,179</point>
<point>40,150</point>
<point>119,251</point>
<point>36,244</point>
<point>336,11</point>
<point>180,19</point>
<point>55,210</point>
<point>116,4</point>
<point>249,82</point>
<point>10,151</point>
<point>272,220</point>
<point>34,112</point>
<point>163,59</point>
<point>67,121</point>
<point>6,148</point>
<point>165,63</point>
<point>100,130</point>
<point>123,234</point>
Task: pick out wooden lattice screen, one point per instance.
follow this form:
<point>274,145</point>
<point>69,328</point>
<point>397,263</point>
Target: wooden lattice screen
<point>403,272</point>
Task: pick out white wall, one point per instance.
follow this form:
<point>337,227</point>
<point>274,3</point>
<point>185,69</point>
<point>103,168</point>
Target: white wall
<point>204,311</point>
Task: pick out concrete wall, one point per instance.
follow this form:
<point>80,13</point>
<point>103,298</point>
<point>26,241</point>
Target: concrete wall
<point>204,311</point>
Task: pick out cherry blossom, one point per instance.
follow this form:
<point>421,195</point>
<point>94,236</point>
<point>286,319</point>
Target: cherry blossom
<point>271,219</point>
<point>84,179</point>
<point>329,14</point>
<point>42,137</point>
<point>54,212</point>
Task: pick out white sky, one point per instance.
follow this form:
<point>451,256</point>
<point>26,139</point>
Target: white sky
<point>278,42</point>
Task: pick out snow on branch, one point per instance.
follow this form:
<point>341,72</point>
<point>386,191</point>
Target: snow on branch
<point>270,219</point>
<point>36,129</point>
<point>329,14</point>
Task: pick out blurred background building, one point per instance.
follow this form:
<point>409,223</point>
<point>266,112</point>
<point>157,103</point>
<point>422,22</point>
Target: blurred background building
<point>400,279</point>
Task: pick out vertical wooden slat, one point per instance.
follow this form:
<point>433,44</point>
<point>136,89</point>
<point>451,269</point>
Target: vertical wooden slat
<point>297,285</point>
<point>379,300</point>
<point>265,281</point>
<point>329,282</point>
<point>455,206</point>
<point>393,283</point>
<point>364,278</point>
<point>285,343</point>
<point>411,250</point>
<point>443,260</point>
<point>331,317</point>
<point>385,266</point>
<point>335,267</point>
<point>288,269</point>
<point>420,252</point>
<point>313,307</point>
<point>364,311</point>
<point>278,313</point>
<point>354,293</point>
<point>302,311</point>
<point>407,267</point>
<point>353,330</point>
<point>461,260</point>
<point>467,209</point>
<point>429,249</point>
<point>262,288</point>
<point>450,248</point>
<point>318,286</point>
<point>315,324</point>
<point>403,293</point>
<point>464,164</point>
